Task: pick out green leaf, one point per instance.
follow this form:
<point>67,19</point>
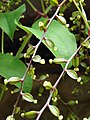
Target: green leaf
<point>7,20</point>
<point>54,2</point>
<point>72,74</point>
<point>85,79</point>
<point>13,67</point>
<point>54,110</point>
<point>63,40</point>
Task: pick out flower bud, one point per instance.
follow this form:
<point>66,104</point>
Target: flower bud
<point>12,80</point>
<point>59,60</point>
<point>79,79</point>
<point>10,118</point>
<point>30,114</point>
<point>76,101</point>
<point>28,97</point>
<point>34,77</point>
<point>54,110</point>
<point>50,61</point>
<point>30,50</point>
<point>60,117</point>
<point>36,58</point>
<point>78,17</point>
<point>61,19</point>
<point>72,74</point>
<point>76,69</point>
<point>75,61</point>
<point>71,102</point>
<point>67,25</point>
<point>15,90</point>
<point>81,83</point>
<point>42,61</point>
<point>35,101</point>
<point>47,85</point>
<point>42,26</point>
<point>71,18</point>
<point>47,75</point>
<point>5,81</point>
<point>42,77</point>
<point>54,99</point>
<point>55,93</point>
<point>49,43</point>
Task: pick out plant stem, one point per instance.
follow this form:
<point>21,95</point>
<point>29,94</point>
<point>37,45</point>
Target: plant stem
<point>43,8</point>
<point>14,109</point>
<point>58,80</point>
<point>2,42</point>
<point>2,92</point>
<point>36,48</point>
<point>84,19</point>
<point>51,19</point>
<point>25,41</point>
<point>48,9</point>
<point>32,6</point>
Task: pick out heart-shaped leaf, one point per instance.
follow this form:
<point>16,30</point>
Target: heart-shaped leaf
<point>11,66</point>
<point>63,40</point>
<point>7,20</point>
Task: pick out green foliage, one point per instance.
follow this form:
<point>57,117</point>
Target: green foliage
<point>30,114</point>
<point>54,110</point>
<point>72,74</point>
<point>58,34</point>
<point>54,2</point>
<point>28,97</point>
<point>7,20</point>
<point>10,66</point>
